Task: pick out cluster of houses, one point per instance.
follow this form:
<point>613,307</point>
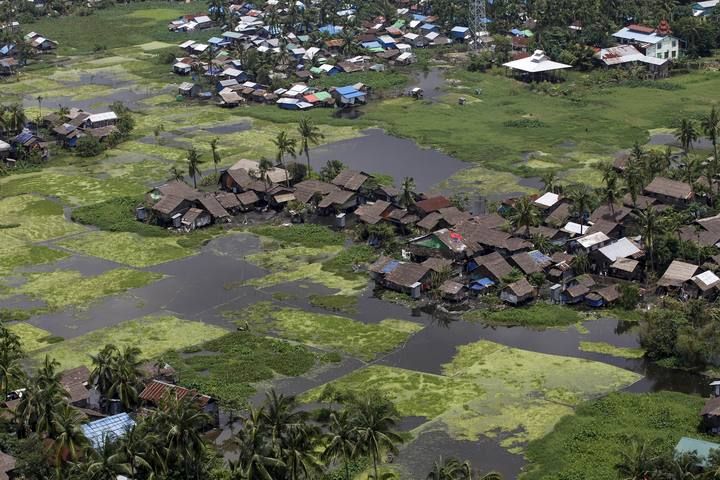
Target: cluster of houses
<point>191,23</point>
<point>103,418</point>
<point>68,128</point>
<point>22,145</point>
<point>463,255</point>
<point>9,52</point>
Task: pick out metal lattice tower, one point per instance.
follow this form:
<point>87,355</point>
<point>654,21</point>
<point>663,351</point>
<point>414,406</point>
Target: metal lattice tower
<point>478,15</point>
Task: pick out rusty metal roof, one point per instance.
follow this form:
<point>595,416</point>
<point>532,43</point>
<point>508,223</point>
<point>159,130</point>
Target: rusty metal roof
<point>156,390</point>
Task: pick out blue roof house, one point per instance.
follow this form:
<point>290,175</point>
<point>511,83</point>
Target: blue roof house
<point>110,428</point>
<point>349,95</point>
<point>460,33</point>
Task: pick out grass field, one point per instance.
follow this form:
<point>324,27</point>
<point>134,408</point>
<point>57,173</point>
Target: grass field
<point>489,389</point>
<point>588,444</point>
<point>153,335</point>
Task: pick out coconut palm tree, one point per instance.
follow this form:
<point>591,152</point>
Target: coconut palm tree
<point>216,158</point>
<point>193,159</point>
<point>650,225</point>
<point>176,174</point>
<point>40,402</point>
<point>102,373</point>
<point>298,454</point>
<point>281,416</point>
<point>256,458</point>
<point>125,372</point>
<point>550,180</point>
<point>612,192</point>
<point>10,354</point>
<point>103,463</point>
<point>582,198</point>
<point>340,440</point>
<point>634,179</point>
<point>70,441</point>
<point>265,166</point>
<point>686,134</point>
<point>309,135</point>
<point>711,128</point>
<point>15,117</point>
<point>136,450</point>
<point>285,146</point>
<point>407,195</point>
<point>637,460</point>
<point>524,215</point>
<point>450,469</point>
<point>374,422</point>
<point>581,263</point>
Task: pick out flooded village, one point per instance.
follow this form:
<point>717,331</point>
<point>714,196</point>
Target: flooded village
<point>390,239</point>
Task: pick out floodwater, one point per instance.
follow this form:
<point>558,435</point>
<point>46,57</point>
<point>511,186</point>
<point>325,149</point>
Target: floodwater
<point>203,286</point>
<point>701,143</point>
<point>431,82</point>
<point>377,152</point>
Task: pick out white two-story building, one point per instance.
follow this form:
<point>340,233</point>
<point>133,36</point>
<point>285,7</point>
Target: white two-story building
<point>653,42</point>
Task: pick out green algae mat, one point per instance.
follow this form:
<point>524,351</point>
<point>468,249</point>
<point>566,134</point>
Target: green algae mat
<point>493,390</point>
<point>33,338</point>
<point>153,335</point>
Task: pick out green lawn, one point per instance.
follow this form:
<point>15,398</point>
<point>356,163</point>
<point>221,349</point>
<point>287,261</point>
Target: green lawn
<point>489,389</point>
<point>588,444</point>
<point>153,335</point>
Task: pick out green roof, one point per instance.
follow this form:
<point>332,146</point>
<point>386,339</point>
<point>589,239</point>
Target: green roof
<point>701,448</point>
<point>399,24</point>
<point>322,96</point>
<point>316,70</point>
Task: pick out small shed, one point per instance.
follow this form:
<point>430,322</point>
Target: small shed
<point>195,218</point>
<point>677,274</point>
<point>453,291</point>
<point>518,292</point>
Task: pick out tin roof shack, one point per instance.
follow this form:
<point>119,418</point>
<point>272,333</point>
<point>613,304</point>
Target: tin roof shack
<point>372,213</point>
<point>453,291</point>
<point>676,276</point>
<point>704,285</point>
<point>492,266</point>
<point>531,262</point>
<point>701,448</point>
<point>626,269</point>
<point>605,256</point>
<point>7,465</point>
<point>229,201</point>
<point>337,202</point>
<point>518,293</point>
<point>602,297</point>
<point>351,180</point>
<point>408,278</point>
<point>75,381</point>
<point>432,204</point>
<point>590,243</point>
<point>156,390</point>
<point>577,289</point>
<point>671,192</point>
<point>537,67</point>
<point>348,96</point>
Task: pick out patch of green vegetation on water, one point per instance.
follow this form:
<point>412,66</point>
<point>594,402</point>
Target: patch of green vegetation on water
<point>589,444</point>
<point>607,349</point>
<point>129,248</point>
<point>335,303</point>
<point>32,337</point>
<point>227,367</point>
<point>621,314</point>
<point>493,390</point>
<point>537,315</point>
<point>153,335</point>
<point>117,215</point>
<point>27,255</point>
<point>61,289</point>
<point>332,332</point>
<point>36,220</point>
<point>305,234</point>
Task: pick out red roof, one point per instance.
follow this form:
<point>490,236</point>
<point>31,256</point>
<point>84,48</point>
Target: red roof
<point>640,28</point>
<point>433,204</point>
<point>156,389</point>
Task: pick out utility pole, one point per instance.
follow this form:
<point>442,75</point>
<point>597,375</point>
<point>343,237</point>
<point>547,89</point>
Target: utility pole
<point>479,16</point>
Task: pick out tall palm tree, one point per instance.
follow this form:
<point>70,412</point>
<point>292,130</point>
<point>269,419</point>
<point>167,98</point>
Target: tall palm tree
<point>125,371</point>
<point>176,174</point>
<point>525,214</point>
<point>257,459</point>
<point>102,373</point>
<point>42,398</point>
<point>104,464</point>
<point>711,128</point>
<point>450,469</point>
<point>634,179</point>
<point>374,422</point>
<point>340,441</point>
<point>612,192</point>
<point>309,135</point>
<point>70,441</point>
<point>193,159</point>
<point>686,134</point>
<point>216,158</point>
<point>407,194</point>
<point>281,416</point>
<point>10,354</point>
<point>265,166</point>
<point>650,225</point>
<point>298,454</point>
<point>185,421</point>
<point>637,461</point>
<point>15,117</point>
<point>285,146</point>
<point>582,198</point>
<point>136,450</point>
<point>550,180</point>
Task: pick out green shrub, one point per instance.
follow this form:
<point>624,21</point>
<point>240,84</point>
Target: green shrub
<point>539,315</point>
<point>308,235</point>
<point>117,215</point>
<point>335,303</point>
<point>89,146</point>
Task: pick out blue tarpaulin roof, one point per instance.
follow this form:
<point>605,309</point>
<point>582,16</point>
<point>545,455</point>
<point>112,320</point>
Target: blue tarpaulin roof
<point>481,284</point>
<point>215,40</point>
<point>371,45</point>
<point>330,29</point>
<point>419,18</point>
<point>539,257</point>
<point>110,428</point>
<point>516,32</point>
<point>428,26</point>
<point>344,91</point>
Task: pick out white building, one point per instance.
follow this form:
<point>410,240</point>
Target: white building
<point>654,42</point>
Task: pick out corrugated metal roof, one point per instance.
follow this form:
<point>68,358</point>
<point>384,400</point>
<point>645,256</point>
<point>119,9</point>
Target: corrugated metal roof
<point>111,428</point>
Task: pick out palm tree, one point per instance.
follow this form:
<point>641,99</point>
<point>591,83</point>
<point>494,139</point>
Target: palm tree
<point>125,371</point>
<point>612,192</point>
<point>711,128</point>
<point>340,440</point>
<point>407,195</point>
<point>265,166</point>
<point>281,416</point>
<point>649,223</point>
<point>102,374</point>
<point>185,421</point>
<point>309,135</point>
<point>637,461</point>
<point>686,134</point>
<point>525,214</point>
<point>104,464</point>
<point>257,459</point>
<point>582,198</point>
<point>550,180</point>
<point>176,174</point>
<point>215,153</point>
<point>70,441</point>
<point>193,159</point>
<point>285,146</point>
<point>634,179</point>
<point>10,354</point>
<point>450,469</point>
<point>581,263</point>
<point>15,117</point>
<point>41,400</point>
<point>374,422</point>
<point>136,450</point>
<point>298,454</point>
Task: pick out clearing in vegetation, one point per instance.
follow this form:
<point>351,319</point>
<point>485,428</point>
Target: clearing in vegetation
<point>153,335</point>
